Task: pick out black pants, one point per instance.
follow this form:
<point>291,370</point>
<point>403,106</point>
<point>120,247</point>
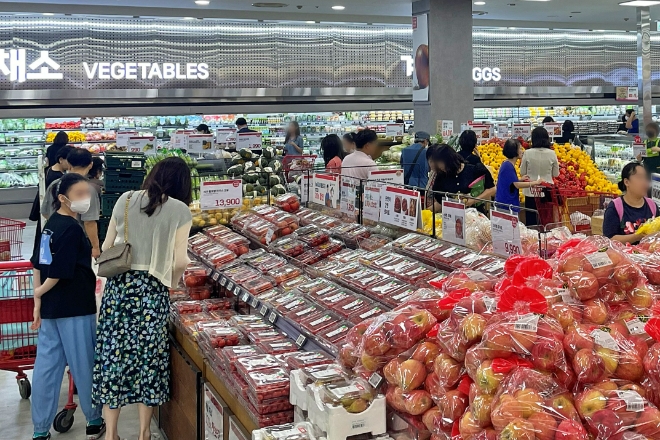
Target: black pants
<point>531,219</point>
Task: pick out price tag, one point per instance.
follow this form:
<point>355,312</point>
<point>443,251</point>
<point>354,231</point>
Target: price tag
<point>237,290</point>
<point>554,129</point>
<point>225,136</point>
<point>528,323</point>
<point>300,340</point>
<point>223,281</point>
<point>349,187</point>
<point>141,144</point>
<point>505,231</point>
<point>371,203</point>
<point>124,136</point>
<point>599,259</point>
<point>400,207</point>
<point>221,194</point>
<point>447,130</point>
<point>522,131</point>
<point>254,303</point>
<point>326,190</point>
<point>245,297</point>
<point>251,141</point>
<point>215,276</point>
<point>264,310</point>
<point>375,380</point>
<point>230,286</point>
<point>380,178</point>
<point>272,317</point>
<point>635,326</point>
<point>502,131</point>
<point>453,222</point>
<point>200,143</point>
<point>394,130</point>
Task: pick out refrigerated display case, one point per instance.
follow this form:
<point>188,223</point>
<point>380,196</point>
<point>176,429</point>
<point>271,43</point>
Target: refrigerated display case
<point>611,153</point>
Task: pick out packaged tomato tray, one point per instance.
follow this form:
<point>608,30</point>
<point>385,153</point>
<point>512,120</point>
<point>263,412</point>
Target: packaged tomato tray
<point>236,243</point>
<point>398,297</point>
<point>331,301</point>
<point>266,335</point>
<point>319,321</point>
<point>195,275</point>
<point>335,334</point>
<point>252,255</point>
<point>203,249</point>
<point>264,210</point>
<point>288,246</point>
<point>344,269</point>
<point>347,255</point>
<point>222,314</point>
<point>309,218</point>
<point>248,364</point>
<point>239,221</point>
<point>386,287</point>
<point>300,314</point>
<point>312,235</point>
<point>267,262</point>
<point>352,305</point>
<point>408,240</point>
<point>492,266</point>
<point>427,249</point>
<point>329,247</point>
<point>323,374</point>
<point>363,278</point>
<point>198,240</point>
<point>317,287</point>
<point>395,268</point>
<point>308,258</point>
<point>285,273</point>
<point>282,357</point>
<point>293,283</point>
<point>288,202</point>
<point>277,347</point>
<point>370,312</point>
<point>218,337</point>
<point>413,275</point>
<point>344,229</point>
<point>179,294</point>
<point>187,307</point>
<point>217,304</point>
<point>259,285</point>
<point>374,242</point>
<point>240,274</point>
<point>220,257</point>
<point>270,406</point>
<point>450,254</point>
<point>283,220</point>
<point>267,384</point>
<point>321,269</point>
<point>328,290</point>
<point>308,359</point>
<point>270,295</point>
<point>245,320</point>
<point>293,306</point>
<point>382,260</point>
<point>228,356</point>
<point>217,231</point>
<point>470,260</point>
<point>327,222</point>
<point>238,385</point>
<point>283,299</point>
<point>188,321</point>
<point>253,327</point>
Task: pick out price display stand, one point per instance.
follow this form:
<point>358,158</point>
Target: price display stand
<point>453,222</point>
<point>221,194</point>
<point>505,230</point>
<point>250,140</point>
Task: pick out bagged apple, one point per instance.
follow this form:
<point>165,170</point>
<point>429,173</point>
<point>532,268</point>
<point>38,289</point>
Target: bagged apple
<point>355,395</point>
<point>428,299</point>
<point>472,280</point>
<point>531,405</point>
<point>410,373</point>
<point>618,409</point>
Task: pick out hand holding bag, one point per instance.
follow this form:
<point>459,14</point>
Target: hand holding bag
<point>118,258</point>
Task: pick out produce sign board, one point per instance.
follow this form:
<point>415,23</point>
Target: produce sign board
<point>502,131</point>
<point>400,207</point>
<point>554,129</point>
<point>453,222</point>
<point>371,203</point>
<point>349,187</point>
<point>639,150</point>
<point>655,187</point>
<point>505,230</point>
<point>522,130</point>
<point>394,129</point>
<point>213,416</point>
<point>179,139</point>
<point>124,136</point>
<point>421,72</point>
<point>221,194</point>
<point>627,93</point>
<point>306,187</point>
<point>251,141</point>
<point>483,131</point>
<point>142,144</point>
<point>225,135</point>
<point>382,177</point>
<point>446,129</point>
<point>200,143</point>
<point>326,190</point>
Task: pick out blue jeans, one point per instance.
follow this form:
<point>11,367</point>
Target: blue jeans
<point>63,341</point>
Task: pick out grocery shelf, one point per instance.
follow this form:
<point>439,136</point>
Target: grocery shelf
<point>19,170</point>
<point>18,157</point>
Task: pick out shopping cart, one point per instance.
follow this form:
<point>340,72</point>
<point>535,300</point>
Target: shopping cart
<point>11,239</point>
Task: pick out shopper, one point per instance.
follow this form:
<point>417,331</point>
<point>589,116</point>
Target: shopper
<point>413,161</point>
<point>132,350</point>
<point>454,176</point>
<point>508,184</point>
<point>428,199</point>
<point>625,214</point>
<point>539,163</point>
<point>468,142</point>
<point>80,162</point>
<point>651,161</point>
<point>60,140</point>
<point>567,132</point>
<point>348,142</point>
<point>95,175</point>
<point>64,309</point>
<point>242,126</point>
<point>203,129</point>
<point>632,122</point>
<point>293,142</point>
<point>548,120</point>
<point>360,163</point>
<point>332,153</point>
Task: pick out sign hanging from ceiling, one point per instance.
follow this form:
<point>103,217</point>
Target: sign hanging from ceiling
<point>422,71</point>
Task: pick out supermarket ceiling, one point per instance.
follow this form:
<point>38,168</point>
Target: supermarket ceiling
<point>584,14</point>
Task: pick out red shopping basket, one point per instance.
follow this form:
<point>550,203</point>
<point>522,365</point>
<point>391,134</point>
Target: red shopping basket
<point>11,239</point>
<point>18,344</point>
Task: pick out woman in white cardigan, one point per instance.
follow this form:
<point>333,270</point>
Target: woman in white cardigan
<point>132,351</point>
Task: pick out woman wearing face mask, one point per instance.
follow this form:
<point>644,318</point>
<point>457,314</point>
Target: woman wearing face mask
<point>64,309</point>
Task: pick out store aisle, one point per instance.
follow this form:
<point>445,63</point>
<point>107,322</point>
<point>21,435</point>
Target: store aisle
<point>15,416</point>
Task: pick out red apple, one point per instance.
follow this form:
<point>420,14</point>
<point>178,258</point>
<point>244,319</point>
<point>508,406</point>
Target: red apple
<point>410,375</point>
<point>590,401</point>
<point>610,359</point>
<point>391,369</point>
<point>426,353</point>
<point>612,293</point>
<point>506,410</point>
<point>648,423</point>
<point>652,361</point>
<point>448,370</point>
<point>481,407</point>
<point>567,315</point>
<point>630,367</point>
<point>372,363</point>
<point>518,429</point>
<point>562,405</point>
<point>571,430</point>
<point>626,276</point>
<point>548,354</point>
<point>472,327</point>
<point>432,419</point>
<point>347,356</point>
<point>354,335</point>
<point>486,379</point>
<point>376,343</point>
<point>573,263</point>
<point>576,339</point>
<point>452,406</point>
<point>595,311</point>
<point>468,427</point>
<point>544,424</point>
<point>530,401</point>
<point>433,386</point>
<point>583,284</point>
<point>604,423</point>
<point>641,298</point>
<point>417,402</point>
<point>588,366</point>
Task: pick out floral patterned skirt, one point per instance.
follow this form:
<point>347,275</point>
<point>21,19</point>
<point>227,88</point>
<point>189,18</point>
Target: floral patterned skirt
<point>132,362</point>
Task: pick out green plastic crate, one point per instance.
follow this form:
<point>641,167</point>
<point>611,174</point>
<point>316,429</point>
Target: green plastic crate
<point>108,202</point>
<point>124,161</point>
<point>103,224</point>
<point>119,182</point>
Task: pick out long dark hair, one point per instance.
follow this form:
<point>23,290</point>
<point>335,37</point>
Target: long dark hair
<point>169,178</point>
<point>447,155</point>
<point>289,135</point>
<point>540,138</point>
<point>331,147</point>
<point>62,187</point>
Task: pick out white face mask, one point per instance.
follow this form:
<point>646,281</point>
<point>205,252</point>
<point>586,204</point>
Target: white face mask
<point>80,206</point>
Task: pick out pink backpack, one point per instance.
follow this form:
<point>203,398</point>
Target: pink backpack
<point>618,205</point>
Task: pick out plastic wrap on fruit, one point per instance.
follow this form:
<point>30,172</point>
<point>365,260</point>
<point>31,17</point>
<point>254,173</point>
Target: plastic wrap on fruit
<point>355,395</point>
<point>618,409</point>
<point>289,431</point>
<point>477,228</point>
<point>445,416</point>
<point>428,299</point>
<point>472,280</point>
<point>410,373</point>
<point>529,405</point>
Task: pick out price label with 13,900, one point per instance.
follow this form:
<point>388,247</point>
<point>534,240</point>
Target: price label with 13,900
<point>221,194</point>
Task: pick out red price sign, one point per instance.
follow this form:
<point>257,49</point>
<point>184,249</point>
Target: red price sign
<point>221,194</point>
<point>505,230</point>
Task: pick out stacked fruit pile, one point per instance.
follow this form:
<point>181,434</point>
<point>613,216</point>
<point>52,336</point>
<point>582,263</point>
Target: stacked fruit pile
<point>577,172</point>
<point>555,350</point>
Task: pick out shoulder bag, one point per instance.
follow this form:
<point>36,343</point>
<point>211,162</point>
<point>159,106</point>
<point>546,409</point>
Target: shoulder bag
<point>117,260</point>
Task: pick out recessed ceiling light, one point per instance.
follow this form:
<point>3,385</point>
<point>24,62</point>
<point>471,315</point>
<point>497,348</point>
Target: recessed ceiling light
<point>338,7</point>
<point>202,2</point>
<point>188,18</point>
<point>310,22</point>
<point>640,3</point>
<point>48,13</point>
<point>512,28</point>
<point>479,3</point>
